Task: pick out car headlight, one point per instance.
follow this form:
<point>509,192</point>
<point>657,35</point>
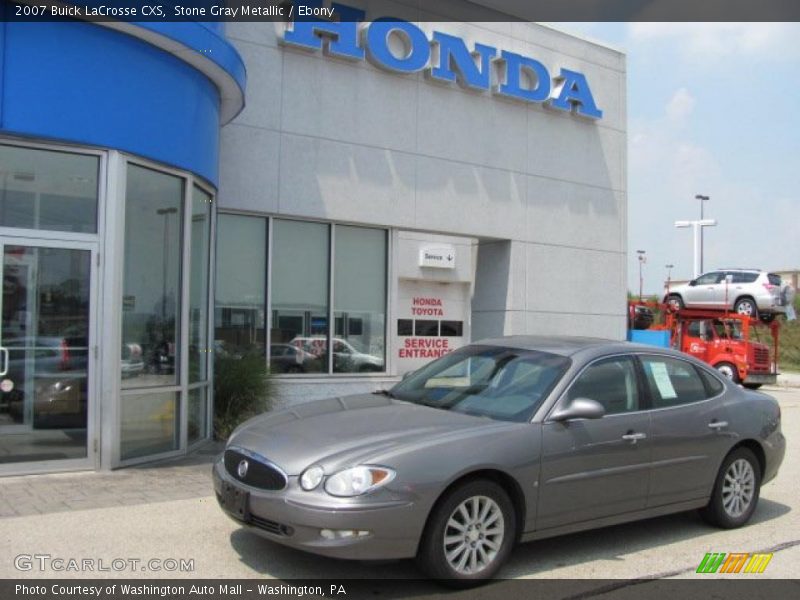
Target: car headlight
<point>311,477</point>
<point>358,480</point>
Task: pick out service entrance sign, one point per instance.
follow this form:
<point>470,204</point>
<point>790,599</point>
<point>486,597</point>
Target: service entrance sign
<point>433,319</point>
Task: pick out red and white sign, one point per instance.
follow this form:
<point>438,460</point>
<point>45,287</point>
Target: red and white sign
<point>424,305</point>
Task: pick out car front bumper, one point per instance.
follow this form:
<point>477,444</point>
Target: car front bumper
<point>287,517</point>
<point>761,378</point>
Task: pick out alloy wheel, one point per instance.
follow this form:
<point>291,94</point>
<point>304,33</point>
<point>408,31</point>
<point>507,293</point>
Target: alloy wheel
<point>738,488</point>
<point>474,535</point>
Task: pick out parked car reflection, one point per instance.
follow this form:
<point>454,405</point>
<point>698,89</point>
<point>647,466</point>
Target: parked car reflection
<point>287,358</point>
<point>54,371</point>
<point>346,356</point>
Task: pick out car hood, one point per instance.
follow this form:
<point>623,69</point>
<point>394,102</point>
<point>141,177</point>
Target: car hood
<point>349,430</point>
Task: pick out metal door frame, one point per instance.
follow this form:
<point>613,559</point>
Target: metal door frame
<point>91,461</point>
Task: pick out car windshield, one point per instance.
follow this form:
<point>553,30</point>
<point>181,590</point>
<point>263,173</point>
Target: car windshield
<point>506,384</point>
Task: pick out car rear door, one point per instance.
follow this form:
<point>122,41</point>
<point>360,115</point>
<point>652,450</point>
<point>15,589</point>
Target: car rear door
<point>594,468</point>
<point>689,433</point>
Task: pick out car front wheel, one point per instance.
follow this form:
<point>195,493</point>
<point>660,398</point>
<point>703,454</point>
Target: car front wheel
<point>729,370</point>
<point>469,535</point>
<point>736,490</point>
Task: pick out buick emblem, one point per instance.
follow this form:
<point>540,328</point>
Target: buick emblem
<point>241,470</point>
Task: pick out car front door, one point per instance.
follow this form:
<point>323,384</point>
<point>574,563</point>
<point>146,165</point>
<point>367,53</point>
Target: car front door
<point>688,429</point>
<point>594,468</point>
<point>702,294</point>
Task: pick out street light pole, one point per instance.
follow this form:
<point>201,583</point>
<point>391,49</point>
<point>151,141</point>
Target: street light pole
<point>697,227</point>
<point>642,260</point>
<point>669,272</point>
<point>702,199</point>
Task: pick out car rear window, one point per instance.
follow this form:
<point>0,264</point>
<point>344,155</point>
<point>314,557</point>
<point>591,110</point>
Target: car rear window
<point>774,279</point>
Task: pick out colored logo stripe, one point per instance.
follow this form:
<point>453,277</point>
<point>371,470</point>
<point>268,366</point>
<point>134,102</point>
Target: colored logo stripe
<point>735,562</point>
<point>757,563</point>
<point>711,562</point>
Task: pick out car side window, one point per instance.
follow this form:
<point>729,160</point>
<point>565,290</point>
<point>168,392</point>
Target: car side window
<point>709,278</point>
<point>672,382</point>
<point>713,385</point>
<point>611,382</point>
<point>744,277</point>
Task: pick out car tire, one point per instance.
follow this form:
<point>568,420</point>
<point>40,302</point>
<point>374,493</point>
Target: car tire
<point>736,490</point>
<point>746,306</point>
<point>728,370</point>
<point>675,302</point>
<point>752,386</point>
<point>455,548</point>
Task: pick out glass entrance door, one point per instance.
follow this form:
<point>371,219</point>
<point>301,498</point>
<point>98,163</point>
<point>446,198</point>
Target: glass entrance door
<point>46,362</point>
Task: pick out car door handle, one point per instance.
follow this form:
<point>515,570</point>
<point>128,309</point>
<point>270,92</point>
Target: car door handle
<point>634,437</point>
<point>717,425</point>
<point>4,370</point>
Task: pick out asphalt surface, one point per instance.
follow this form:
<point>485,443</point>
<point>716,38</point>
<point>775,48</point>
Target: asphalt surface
<point>195,528</point>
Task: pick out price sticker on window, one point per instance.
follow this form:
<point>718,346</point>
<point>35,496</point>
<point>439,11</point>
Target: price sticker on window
<point>663,382</point>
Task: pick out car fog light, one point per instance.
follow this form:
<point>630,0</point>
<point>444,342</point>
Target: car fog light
<point>342,534</point>
<point>311,478</point>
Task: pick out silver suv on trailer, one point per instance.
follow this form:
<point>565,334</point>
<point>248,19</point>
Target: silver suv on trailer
<point>745,291</point>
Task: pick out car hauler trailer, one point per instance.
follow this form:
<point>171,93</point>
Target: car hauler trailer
<point>742,348</point>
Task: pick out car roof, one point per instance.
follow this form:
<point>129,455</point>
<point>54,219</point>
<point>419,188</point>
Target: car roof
<point>743,269</point>
<point>563,345</point>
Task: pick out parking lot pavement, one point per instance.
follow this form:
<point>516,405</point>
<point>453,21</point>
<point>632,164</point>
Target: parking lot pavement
<point>194,528</point>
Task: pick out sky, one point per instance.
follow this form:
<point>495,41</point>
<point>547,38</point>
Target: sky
<point>713,109</point>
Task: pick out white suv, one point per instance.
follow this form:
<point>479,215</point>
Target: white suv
<point>745,291</point>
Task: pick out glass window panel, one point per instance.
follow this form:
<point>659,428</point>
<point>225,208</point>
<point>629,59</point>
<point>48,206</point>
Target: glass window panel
<point>360,299</point>
<point>452,328</point>
<point>240,285</point>
<point>300,292</point>
<point>43,189</point>
<point>151,279</point>
<point>672,382</point>
<point>611,382</point>
<point>150,424</point>
<point>405,327</point>
<point>198,286</point>
<point>45,330</point>
<point>427,328</point>
<point>198,413</point>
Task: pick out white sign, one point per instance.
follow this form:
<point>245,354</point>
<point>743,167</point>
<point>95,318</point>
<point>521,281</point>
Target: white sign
<point>439,256</point>
<point>663,382</point>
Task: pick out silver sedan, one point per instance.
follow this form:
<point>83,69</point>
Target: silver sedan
<point>500,442</point>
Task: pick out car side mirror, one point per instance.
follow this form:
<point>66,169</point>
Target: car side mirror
<point>693,283</point>
<point>579,408</point>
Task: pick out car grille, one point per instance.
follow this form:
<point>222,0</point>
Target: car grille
<point>271,526</point>
<point>761,356</point>
<point>259,474</point>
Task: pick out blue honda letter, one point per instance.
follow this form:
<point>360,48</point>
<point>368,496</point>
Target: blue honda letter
<point>419,51</point>
<point>344,43</point>
<point>573,92</point>
<point>515,64</point>
<point>453,54</point>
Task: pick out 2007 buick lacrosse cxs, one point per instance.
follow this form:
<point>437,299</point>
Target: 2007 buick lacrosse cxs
<point>503,441</point>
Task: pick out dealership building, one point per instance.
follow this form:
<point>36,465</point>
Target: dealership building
<point>345,199</point>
